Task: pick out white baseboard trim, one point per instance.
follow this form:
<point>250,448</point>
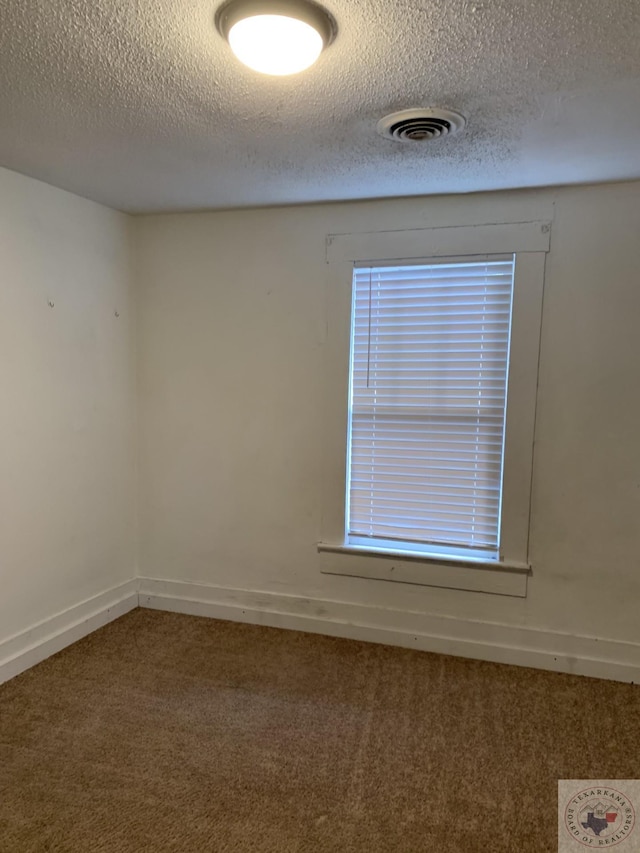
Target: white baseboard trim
<point>449,635</point>
<point>26,649</point>
<point>521,646</point>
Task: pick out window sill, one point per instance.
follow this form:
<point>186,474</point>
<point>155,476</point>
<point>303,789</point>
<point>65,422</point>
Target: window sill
<point>471,574</point>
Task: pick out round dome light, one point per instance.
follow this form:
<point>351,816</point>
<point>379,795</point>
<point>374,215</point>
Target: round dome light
<point>276,37</point>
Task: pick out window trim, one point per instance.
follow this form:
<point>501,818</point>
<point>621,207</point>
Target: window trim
<point>530,242</point>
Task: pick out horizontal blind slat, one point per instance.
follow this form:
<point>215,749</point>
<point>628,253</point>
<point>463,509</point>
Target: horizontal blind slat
<point>439,487</point>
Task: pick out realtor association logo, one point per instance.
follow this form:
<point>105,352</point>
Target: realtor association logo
<point>600,817</point>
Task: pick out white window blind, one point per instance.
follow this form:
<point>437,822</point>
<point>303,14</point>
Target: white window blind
<point>429,365</point>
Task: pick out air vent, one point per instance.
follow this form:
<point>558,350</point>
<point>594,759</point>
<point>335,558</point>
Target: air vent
<point>420,125</point>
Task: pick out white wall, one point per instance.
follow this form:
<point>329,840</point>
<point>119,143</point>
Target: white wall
<point>67,416</point>
<point>231,333</point>
<point>231,326</point>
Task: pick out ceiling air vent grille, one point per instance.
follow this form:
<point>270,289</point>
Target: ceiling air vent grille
<point>420,125</point>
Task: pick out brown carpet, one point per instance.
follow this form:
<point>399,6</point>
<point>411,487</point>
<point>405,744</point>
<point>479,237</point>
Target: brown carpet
<point>164,732</point>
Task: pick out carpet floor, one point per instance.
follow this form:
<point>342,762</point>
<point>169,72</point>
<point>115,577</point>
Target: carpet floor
<point>163,732</point>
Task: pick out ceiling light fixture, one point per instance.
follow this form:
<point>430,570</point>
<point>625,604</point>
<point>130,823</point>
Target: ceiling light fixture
<point>276,37</point>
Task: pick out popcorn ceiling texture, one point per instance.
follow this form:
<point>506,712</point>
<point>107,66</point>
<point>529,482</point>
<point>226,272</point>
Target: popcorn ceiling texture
<point>140,104</point>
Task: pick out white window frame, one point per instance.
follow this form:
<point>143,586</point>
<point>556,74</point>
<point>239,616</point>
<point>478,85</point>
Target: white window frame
<point>508,575</point>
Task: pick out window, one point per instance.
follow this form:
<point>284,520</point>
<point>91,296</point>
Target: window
<point>431,363</point>
<point>427,407</point>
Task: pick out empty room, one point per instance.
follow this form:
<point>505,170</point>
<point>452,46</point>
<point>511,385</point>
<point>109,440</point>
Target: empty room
<point>320,374</point>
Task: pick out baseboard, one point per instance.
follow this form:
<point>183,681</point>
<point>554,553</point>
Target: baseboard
<point>521,646</point>
<point>29,647</point>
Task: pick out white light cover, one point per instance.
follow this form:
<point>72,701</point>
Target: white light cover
<point>275,44</point>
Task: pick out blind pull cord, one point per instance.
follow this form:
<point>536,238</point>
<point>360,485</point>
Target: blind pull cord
<point>369,333</point>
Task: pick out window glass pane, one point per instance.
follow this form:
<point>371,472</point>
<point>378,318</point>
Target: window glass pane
<point>429,364</point>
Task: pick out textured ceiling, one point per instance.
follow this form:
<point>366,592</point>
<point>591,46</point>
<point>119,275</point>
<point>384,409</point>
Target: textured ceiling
<point>140,104</point>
